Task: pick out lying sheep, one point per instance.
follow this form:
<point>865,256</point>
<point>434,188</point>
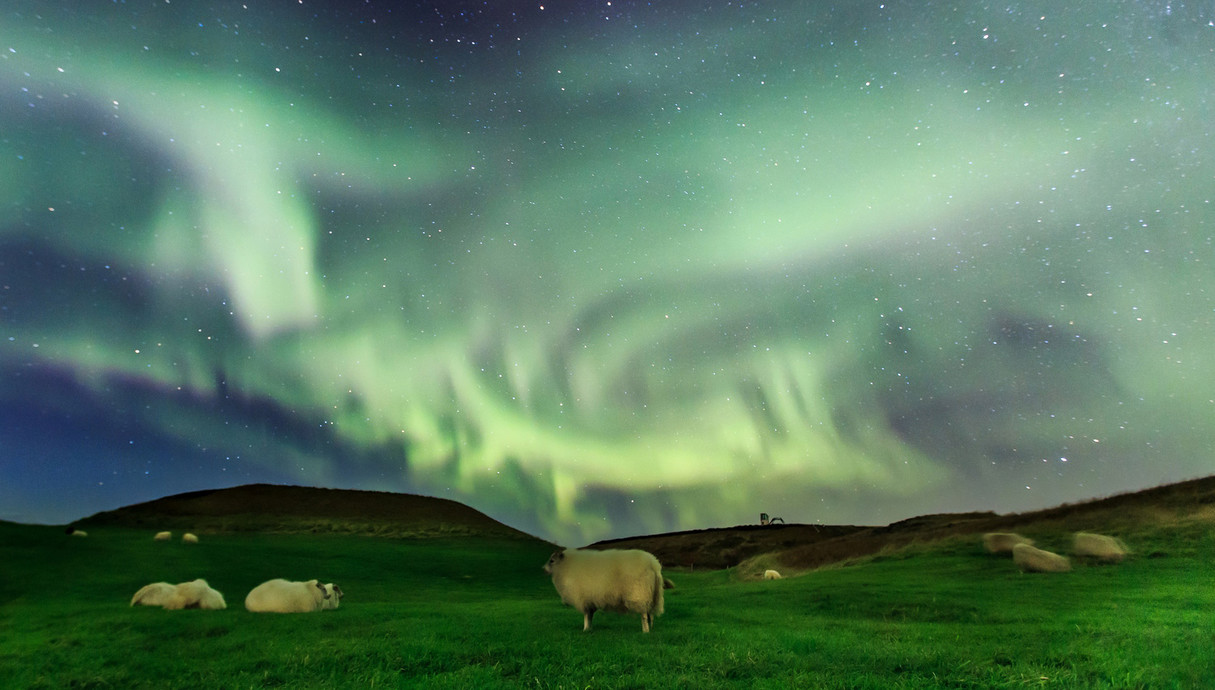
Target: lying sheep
<point>283,596</point>
<point>667,584</point>
<point>189,538</point>
<point>1098,546</point>
<point>1003,542</point>
<point>196,594</point>
<point>1035,560</point>
<point>155,594</point>
<point>771,575</point>
<point>611,580</point>
<point>163,536</point>
<point>77,532</point>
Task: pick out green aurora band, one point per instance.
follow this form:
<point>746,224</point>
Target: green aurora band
<point>600,277</point>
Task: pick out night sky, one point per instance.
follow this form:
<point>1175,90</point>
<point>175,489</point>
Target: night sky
<point>607,268</point>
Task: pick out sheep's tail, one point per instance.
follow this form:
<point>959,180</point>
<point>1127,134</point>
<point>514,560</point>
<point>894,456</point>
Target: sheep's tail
<point>656,602</point>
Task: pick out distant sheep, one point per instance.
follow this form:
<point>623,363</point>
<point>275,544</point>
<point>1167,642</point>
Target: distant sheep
<point>189,538</point>
<point>1032,559</point>
<point>1003,542</point>
<point>283,596</point>
<point>667,584</point>
<point>771,575</point>
<point>613,580</point>
<point>76,532</point>
<point>196,594</point>
<point>163,536</point>
<point>1098,546</point>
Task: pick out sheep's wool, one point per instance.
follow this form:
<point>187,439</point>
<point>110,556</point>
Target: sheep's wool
<point>611,580</point>
<point>284,596</point>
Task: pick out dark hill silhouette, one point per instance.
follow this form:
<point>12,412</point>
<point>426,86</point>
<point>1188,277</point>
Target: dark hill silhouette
<point>798,547</point>
<point>803,547</point>
<point>273,508</point>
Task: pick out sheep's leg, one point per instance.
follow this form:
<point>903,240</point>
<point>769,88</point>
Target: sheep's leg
<point>586,619</point>
<point>647,620</point>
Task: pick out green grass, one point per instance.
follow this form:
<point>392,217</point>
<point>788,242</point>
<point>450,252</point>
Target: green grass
<point>473,613</point>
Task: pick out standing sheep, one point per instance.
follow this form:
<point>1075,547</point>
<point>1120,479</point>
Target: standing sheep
<point>771,575</point>
<point>163,536</point>
<point>196,594</point>
<point>189,538</point>
<point>1098,546</point>
<point>611,580</point>
<point>1003,542</point>
<point>1035,560</point>
<point>283,596</point>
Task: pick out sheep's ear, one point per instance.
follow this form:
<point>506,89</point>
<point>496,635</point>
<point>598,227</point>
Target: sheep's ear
<point>338,591</point>
<point>321,587</point>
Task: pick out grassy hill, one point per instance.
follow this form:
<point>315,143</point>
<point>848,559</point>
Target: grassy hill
<point>471,607</point>
<point>295,509</point>
<point>797,548</point>
<point>789,547</point>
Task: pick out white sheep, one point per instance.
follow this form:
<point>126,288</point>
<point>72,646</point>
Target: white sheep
<point>1098,546</point>
<point>283,596</point>
<point>1033,559</point>
<point>1003,542</point>
<point>189,538</point>
<point>771,575</point>
<point>196,594</point>
<point>155,594</point>
<point>163,536</point>
<point>611,580</point>
<point>78,533</point>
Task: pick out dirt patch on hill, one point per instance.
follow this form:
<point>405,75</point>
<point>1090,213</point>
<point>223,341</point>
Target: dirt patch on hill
<point>805,546</point>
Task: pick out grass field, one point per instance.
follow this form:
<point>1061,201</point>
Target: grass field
<point>474,613</point>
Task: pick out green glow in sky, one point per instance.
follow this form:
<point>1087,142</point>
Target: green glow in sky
<point>659,272</point>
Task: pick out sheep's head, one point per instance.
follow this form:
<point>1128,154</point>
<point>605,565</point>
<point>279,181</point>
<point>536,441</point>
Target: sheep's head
<point>553,560</point>
<point>331,595</point>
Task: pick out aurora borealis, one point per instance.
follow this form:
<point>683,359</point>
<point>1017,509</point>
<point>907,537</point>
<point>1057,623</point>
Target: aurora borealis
<point>607,268</point>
